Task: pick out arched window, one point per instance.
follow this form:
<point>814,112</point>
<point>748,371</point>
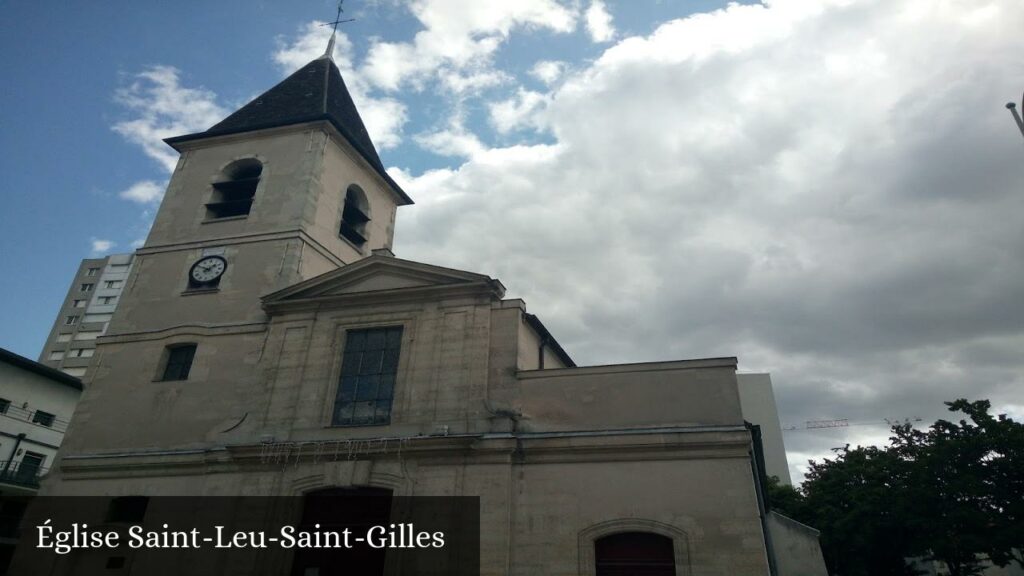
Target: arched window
<point>354,216</point>
<point>634,554</point>
<point>234,191</point>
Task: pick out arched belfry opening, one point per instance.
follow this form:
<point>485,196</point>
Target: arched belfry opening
<point>634,554</point>
<point>235,189</point>
<point>354,216</point>
<point>336,509</point>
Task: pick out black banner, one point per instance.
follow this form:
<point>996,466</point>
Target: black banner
<point>351,532</point>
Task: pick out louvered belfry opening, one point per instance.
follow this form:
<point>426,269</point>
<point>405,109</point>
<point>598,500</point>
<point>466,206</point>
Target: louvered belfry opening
<point>234,193</point>
<point>355,215</point>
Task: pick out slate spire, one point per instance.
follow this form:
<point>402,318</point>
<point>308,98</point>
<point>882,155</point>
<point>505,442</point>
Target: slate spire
<point>314,92</point>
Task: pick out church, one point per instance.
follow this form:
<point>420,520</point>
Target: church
<point>270,343</point>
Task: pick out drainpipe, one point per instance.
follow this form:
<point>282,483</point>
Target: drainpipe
<point>540,352</point>
<point>14,452</point>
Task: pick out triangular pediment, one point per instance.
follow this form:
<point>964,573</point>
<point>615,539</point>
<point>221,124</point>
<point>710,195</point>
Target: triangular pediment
<point>380,274</point>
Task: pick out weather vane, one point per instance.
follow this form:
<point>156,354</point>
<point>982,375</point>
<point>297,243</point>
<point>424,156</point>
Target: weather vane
<point>334,31</point>
<point>337,18</point>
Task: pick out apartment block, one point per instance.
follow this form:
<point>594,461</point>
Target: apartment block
<point>85,313</point>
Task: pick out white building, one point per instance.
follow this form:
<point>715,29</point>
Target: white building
<point>36,403</point>
<point>757,402</point>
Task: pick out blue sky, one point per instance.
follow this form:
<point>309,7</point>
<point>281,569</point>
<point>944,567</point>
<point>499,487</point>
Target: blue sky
<point>829,190</point>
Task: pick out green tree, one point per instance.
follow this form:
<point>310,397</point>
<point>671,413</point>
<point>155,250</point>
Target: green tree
<point>968,485</point>
<point>785,499</point>
<point>953,493</point>
<point>858,501</point>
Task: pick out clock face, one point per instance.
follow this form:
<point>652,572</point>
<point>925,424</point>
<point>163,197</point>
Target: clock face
<point>208,269</point>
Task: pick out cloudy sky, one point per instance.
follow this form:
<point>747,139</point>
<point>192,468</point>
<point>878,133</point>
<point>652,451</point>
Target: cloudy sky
<point>830,190</point>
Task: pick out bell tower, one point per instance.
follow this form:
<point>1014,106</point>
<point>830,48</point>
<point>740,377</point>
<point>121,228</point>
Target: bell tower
<point>284,189</point>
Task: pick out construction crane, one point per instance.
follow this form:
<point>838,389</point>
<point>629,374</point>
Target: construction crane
<point>845,422</point>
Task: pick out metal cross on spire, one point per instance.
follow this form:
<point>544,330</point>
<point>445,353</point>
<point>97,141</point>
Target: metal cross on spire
<point>334,31</point>
<point>1012,107</point>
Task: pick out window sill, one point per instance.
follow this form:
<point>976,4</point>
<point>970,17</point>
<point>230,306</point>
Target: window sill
<point>197,291</point>
<point>357,248</point>
<point>377,425</point>
<point>224,219</point>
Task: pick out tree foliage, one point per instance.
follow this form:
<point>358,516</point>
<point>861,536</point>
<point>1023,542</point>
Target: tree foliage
<point>952,493</point>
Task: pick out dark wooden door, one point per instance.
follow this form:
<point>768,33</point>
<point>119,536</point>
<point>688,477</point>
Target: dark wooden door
<point>634,554</point>
<point>335,509</point>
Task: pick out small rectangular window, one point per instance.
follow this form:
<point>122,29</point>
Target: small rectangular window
<point>113,283</point>
<point>42,418</point>
<point>4,405</point>
<point>179,362</point>
<point>79,303</point>
<point>70,320</point>
<point>64,338</point>
<point>30,467</point>
<point>56,355</point>
<point>87,287</point>
<point>366,386</point>
<point>95,318</point>
<point>81,353</point>
<point>106,300</point>
<point>92,271</point>
<point>88,335</point>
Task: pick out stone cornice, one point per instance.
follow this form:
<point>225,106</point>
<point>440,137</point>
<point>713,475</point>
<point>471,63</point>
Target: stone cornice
<point>726,362</point>
<point>247,238</point>
<point>482,289</point>
<point>184,330</point>
<point>682,443</point>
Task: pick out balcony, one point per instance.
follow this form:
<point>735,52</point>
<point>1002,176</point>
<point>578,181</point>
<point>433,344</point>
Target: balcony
<point>24,474</point>
<point>34,417</point>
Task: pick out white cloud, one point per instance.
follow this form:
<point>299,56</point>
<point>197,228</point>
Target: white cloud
<point>454,49</point>
<point>548,71</point>
<point>473,82</point>
<point>776,182</point>
<point>522,110</point>
<point>599,22</point>
<point>162,107</point>
<point>144,192</point>
<point>459,35</point>
<point>100,247</point>
<point>454,140</point>
<point>309,44</point>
